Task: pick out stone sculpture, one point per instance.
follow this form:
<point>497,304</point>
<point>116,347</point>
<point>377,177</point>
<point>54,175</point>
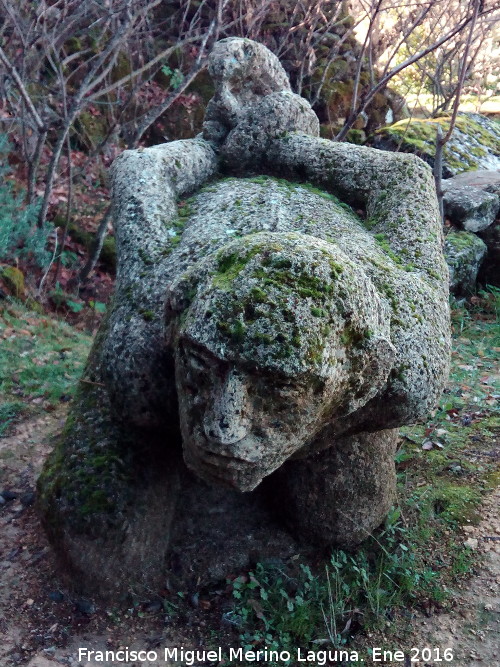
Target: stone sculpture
<point>261,334</point>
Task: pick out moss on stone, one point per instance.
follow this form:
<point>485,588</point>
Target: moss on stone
<point>355,136</point>
<point>354,336</point>
<point>230,265</point>
<point>13,279</point>
<point>108,250</point>
<point>460,240</point>
<point>148,315</point>
<point>85,481</point>
<point>419,136</point>
<point>464,252</point>
<point>147,259</point>
<point>383,242</point>
<point>235,330</point>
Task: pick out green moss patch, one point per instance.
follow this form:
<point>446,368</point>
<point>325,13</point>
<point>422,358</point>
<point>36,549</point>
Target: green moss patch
<point>13,279</point>
<point>85,483</point>
<point>280,278</point>
<point>230,265</point>
<point>474,138</point>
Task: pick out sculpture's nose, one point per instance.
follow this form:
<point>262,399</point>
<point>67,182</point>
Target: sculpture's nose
<point>227,103</point>
<point>227,420</point>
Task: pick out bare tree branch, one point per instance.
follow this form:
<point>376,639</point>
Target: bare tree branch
<point>22,89</point>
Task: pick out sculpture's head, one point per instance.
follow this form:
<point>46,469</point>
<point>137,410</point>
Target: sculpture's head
<point>275,336</point>
<point>243,71</point>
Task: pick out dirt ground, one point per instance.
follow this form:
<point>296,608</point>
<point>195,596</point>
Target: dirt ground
<point>43,625</point>
<point>472,631</point>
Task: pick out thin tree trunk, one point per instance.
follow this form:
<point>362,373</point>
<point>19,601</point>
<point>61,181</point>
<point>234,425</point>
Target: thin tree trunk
<point>34,163</point>
<point>22,90</point>
<point>68,210</point>
<point>440,139</point>
<point>51,172</point>
<point>353,113</point>
<point>96,248</point>
<point>90,81</point>
<point>438,169</point>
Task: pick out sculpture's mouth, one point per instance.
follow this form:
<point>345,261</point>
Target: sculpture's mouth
<point>215,464</point>
<point>233,473</point>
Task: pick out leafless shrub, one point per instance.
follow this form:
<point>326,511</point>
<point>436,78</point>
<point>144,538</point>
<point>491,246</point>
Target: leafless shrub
<point>400,35</point>
<point>62,59</point>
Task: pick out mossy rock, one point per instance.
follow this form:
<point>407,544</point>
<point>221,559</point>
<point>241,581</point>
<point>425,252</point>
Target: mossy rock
<point>474,144</point>
<point>335,103</point>
<point>108,252</point>
<point>355,136</point>
<point>464,253</point>
<point>92,480</point>
<point>13,280</point>
<point>91,129</point>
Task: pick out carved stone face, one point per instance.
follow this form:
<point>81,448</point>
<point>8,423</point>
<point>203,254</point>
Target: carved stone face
<point>274,338</point>
<point>239,425</point>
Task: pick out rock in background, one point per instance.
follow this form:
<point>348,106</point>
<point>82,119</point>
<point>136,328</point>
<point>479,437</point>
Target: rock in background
<point>474,210</point>
<point>486,182</point>
<point>474,144</point>
<point>471,169</point>
<point>464,253</point>
<point>472,204</point>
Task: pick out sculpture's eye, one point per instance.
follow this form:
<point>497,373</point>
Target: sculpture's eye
<point>196,370</point>
<point>197,363</point>
<point>198,373</point>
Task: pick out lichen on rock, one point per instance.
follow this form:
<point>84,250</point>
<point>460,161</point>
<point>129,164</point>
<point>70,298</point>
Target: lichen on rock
<point>477,213</point>
<point>474,144</point>
<point>470,208</point>
<point>464,253</point>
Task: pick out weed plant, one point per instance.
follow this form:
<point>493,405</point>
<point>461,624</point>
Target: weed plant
<point>281,610</point>
<point>19,234</point>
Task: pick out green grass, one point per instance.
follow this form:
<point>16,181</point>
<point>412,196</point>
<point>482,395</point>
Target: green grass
<point>284,607</point>
<point>41,359</point>
<point>419,555</point>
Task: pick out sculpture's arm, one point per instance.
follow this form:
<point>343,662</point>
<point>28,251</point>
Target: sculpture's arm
<point>98,481</point>
<point>132,359</point>
<point>399,194</point>
<point>146,186</point>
